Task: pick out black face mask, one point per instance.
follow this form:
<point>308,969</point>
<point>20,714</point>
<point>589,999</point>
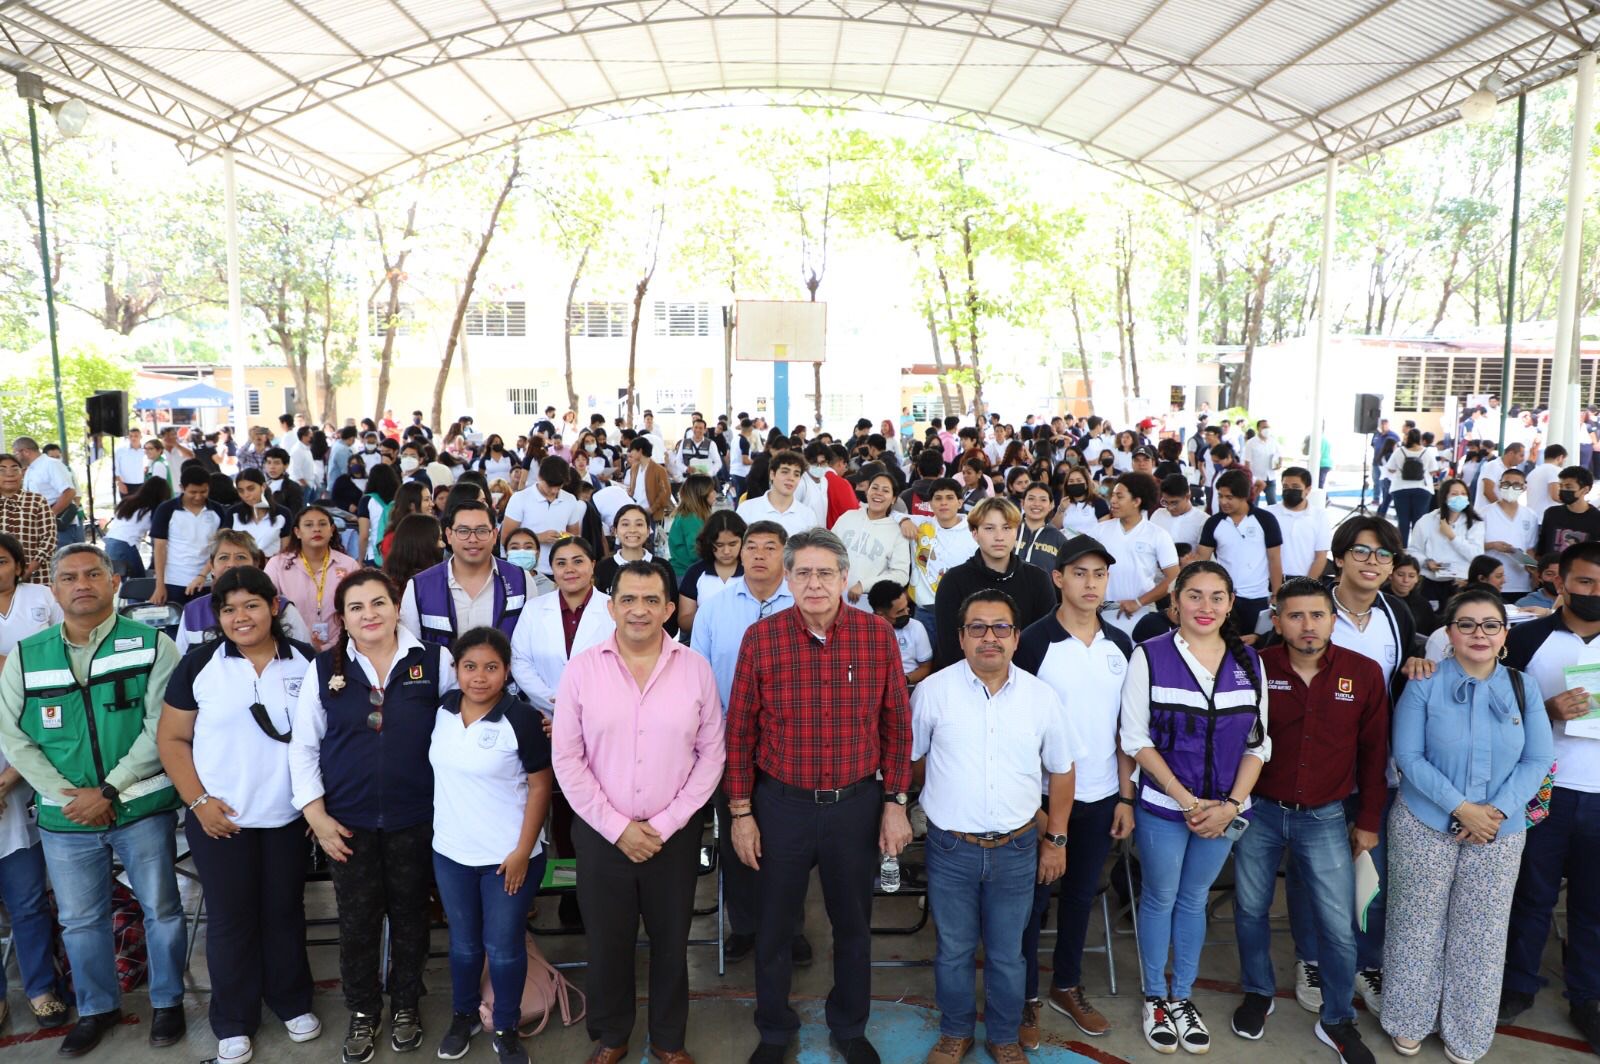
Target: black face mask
<point>1567,496</point>
<point>1587,607</point>
<point>1293,497</point>
<point>1077,491</point>
<point>1548,588</point>
<point>902,620</point>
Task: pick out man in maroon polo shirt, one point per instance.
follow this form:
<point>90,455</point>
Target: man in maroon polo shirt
<point>1328,717</point>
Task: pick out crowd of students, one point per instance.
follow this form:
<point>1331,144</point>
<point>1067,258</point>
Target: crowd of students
<point>448,661</point>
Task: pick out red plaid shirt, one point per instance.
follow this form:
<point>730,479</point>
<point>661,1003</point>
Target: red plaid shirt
<point>818,713</point>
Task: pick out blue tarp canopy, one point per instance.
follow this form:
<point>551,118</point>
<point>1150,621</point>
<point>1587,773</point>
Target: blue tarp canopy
<point>195,397</point>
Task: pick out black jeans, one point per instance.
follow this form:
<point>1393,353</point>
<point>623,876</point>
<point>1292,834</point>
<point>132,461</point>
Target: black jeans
<point>1088,842</point>
<point>840,840</point>
<point>388,874</point>
<point>739,884</point>
<point>615,893</point>
<point>254,886</point>
<point>1246,612</point>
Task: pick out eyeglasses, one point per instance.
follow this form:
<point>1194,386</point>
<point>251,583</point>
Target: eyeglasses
<point>1362,553</point>
<point>473,533</point>
<point>802,577</point>
<point>977,629</point>
<point>1489,627</point>
<point>375,718</point>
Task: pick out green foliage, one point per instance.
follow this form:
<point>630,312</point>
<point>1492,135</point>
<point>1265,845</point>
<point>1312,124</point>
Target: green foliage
<point>28,401</point>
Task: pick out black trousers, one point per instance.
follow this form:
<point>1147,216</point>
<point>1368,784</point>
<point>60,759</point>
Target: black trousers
<point>841,841</point>
<point>738,878</point>
<point>254,887</point>
<point>614,893</point>
<point>389,873</point>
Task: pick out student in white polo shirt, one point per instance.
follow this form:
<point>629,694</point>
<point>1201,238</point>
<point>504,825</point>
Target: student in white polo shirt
<point>180,534</point>
<point>127,464</point>
<point>1511,527</point>
<point>224,741</point>
<point>780,503</point>
<point>1305,529</point>
<point>546,509</point>
<point>1147,559</point>
<point>1247,542</point>
<point>491,794</point>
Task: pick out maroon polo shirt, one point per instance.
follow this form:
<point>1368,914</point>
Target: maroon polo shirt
<point>1329,737</point>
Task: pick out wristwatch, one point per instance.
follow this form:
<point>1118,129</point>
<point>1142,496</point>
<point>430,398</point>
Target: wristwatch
<point>1058,841</point>
<point>897,797</point>
<point>108,792</point>
<point>1126,799</point>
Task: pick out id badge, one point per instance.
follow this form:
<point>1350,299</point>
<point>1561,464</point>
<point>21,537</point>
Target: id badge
<point>319,631</point>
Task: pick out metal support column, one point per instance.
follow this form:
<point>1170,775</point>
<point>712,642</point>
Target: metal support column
<point>1511,270</point>
<point>236,352</point>
<point>1324,301</point>
<point>49,281</point>
<point>780,397</point>
<point>1191,318</point>
<point>1563,400</point>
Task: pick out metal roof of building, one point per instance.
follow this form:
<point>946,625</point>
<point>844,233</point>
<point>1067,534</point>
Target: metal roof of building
<point>1211,101</point>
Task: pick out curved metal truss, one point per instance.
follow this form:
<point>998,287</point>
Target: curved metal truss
<point>1135,86</point>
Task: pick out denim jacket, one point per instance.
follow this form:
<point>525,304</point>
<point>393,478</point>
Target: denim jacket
<point>1457,739</point>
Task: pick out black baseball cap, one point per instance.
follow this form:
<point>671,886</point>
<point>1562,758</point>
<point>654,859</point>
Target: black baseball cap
<point>1078,546</point>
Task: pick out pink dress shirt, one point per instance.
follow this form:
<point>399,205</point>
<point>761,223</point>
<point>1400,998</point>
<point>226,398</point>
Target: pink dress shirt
<point>622,754</point>
<point>298,585</point>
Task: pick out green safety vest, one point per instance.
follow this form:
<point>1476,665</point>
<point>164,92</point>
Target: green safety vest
<point>84,745</point>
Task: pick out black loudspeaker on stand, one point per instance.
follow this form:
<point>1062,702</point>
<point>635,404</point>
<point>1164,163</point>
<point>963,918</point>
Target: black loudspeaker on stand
<point>107,413</point>
<point>1368,410</point>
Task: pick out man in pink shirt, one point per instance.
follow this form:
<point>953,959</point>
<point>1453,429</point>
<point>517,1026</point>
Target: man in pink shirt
<point>638,749</point>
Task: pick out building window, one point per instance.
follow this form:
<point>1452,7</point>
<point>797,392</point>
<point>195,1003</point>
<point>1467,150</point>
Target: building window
<point>524,401</point>
<point>252,402</point>
<point>929,406</point>
<point>493,318</point>
<point>682,319</point>
<point>378,318</point>
<point>674,401</point>
<point>598,318</point>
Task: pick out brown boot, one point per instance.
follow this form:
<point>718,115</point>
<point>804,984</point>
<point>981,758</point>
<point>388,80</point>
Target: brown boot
<point>1010,1053</point>
<point>605,1055</point>
<point>1077,1007</point>
<point>1028,1031</point>
<point>949,1050</point>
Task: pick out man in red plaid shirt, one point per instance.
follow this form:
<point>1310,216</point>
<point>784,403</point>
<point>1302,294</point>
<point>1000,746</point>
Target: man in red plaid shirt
<point>818,708</point>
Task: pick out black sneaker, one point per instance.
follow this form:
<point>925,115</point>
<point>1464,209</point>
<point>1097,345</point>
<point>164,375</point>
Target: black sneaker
<point>1250,1018</point>
<point>508,1044</point>
<point>855,1050</point>
<point>405,1030</point>
<point>1585,1016</point>
<point>800,952</point>
<point>1513,1003</point>
<point>457,1040</point>
<point>769,1053</point>
<point>360,1038</point>
<point>1345,1040</point>
<point>736,948</point>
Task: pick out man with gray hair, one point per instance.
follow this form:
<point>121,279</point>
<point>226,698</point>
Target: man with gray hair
<point>79,704</point>
<point>818,709</point>
<point>50,477</point>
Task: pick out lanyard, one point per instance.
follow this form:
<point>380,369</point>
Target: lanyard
<point>321,579</point>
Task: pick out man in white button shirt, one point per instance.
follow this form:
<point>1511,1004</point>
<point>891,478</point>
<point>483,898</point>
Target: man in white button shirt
<point>985,735</point>
<point>1263,456</point>
<point>127,464</point>
<point>50,477</point>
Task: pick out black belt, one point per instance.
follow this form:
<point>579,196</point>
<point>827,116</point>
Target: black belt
<point>1294,807</point>
<point>824,796</point>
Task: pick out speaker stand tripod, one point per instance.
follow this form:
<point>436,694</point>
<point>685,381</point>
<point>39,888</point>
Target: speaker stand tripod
<point>1366,480</point>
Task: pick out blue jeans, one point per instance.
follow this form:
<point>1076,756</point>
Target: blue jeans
<point>484,919</point>
<point>33,929</point>
<point>980,895</point>
<point>73,533</point>
<point>1380,489</point>
<point>1319,849</point>
<point>1302,915</point>
<point>1179,868</point>
<point>124,559</point>
<point>80,868</point>
<point>1410,504</point>
<point>925,617</point>
<point>1564,844</point>
<point>1089,828</point>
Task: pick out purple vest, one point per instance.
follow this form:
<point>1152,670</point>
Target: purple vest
<point>1201,737</point>
<point>436,610</point>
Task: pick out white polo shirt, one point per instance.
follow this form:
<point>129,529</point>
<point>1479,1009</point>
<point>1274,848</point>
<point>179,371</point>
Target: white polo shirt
<point>236,760</point>
<point>188,537</point>
<point>1184,527</point>
<point>128,464</point>
<point>1304,533</point>
<point>480,779</point>
<point>1093,674</point>
<point>1142,552</point>
<point>1242,549</point>
<point>1521,530</point>
<point>913,643</point>
<point>796,519</point>
<point>608,500</point>
<point>986,754</point>
<point>536,513</point>
<point>1543,648</point>
<point>33,609</point>
<point>47,476</point>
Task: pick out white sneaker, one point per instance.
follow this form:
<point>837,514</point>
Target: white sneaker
<point>1192,1032</point>
<point>235,1050</point>
<point>304,1028</point>
<point>1369,984</point>
<point>1453,1059</point>
<point>1308,986</point>
<point>1158,1029</point>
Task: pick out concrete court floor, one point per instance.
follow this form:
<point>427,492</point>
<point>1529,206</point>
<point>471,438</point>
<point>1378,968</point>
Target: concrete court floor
<point>904,1024</point>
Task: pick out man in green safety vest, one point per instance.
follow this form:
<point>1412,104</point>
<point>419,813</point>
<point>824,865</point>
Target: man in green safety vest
<point>78,709</point>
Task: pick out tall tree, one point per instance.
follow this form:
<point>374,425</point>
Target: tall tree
<point>393,255</point>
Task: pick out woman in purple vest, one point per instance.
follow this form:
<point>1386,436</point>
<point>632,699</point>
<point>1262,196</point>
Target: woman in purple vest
<point>1194,713</point>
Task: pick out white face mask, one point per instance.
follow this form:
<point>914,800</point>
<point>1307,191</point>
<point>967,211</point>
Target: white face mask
<point>407,464</point>
<point>1511,494</point>
<point>818,472</point>
<point>589,447</point>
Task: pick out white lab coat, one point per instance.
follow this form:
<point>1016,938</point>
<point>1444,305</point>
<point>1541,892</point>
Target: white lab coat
<point>538,645</point>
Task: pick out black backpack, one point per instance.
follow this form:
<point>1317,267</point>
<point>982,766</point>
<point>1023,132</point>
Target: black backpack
<point>1411,468</point>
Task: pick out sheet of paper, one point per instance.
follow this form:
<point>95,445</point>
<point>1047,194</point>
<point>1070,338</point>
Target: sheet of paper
<point>1367,886</point>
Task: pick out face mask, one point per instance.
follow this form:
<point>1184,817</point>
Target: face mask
<point>1457,503</point>
<point>407,464</point>
<point>902,620</point>
<point>1293,497</point>
<point>1567,496</point>
<point>1587,607</point>
<point>1511,494</point>
<point>590,447</point>
<point>523,559</point>
<point>1072,460</point>
<point>1077,491</point>
<point>1104,489</point>
<point>1548,588</point>
<point>818,471</point>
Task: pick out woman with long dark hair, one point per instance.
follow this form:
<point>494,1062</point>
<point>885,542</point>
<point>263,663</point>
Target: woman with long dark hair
<point>413,497</point>
<point>308,573</point>
<point>130,524</point>
<point>417,545</point>
<point>1194,717</point>
<point>358,760</point>
<point>1446,539</point>
<point>258,513</point>
<point>372,515</point>
<point>718,546</point>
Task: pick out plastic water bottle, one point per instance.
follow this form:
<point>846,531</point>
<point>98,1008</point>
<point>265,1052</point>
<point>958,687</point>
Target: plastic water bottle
<point>889,873</point>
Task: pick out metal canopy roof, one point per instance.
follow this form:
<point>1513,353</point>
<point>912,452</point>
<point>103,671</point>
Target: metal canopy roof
<point>1211,101</point>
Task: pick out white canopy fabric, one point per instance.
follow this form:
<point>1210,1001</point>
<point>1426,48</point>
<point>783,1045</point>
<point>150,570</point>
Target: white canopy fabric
<point>1212,101</point>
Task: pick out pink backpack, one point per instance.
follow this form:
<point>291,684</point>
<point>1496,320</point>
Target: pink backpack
<point>544,989</point>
